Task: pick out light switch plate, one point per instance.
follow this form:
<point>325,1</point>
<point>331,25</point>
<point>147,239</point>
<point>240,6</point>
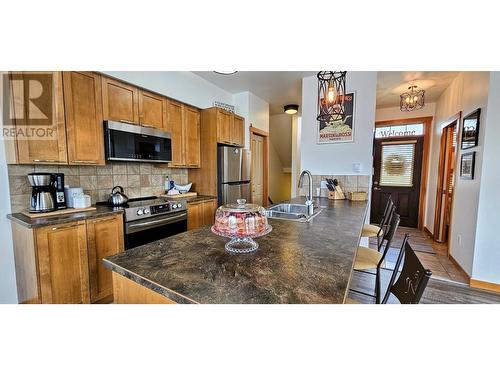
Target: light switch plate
<point>356,167</point>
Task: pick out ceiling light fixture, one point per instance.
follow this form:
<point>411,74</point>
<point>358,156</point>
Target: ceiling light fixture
<point>291,109</point>
<point>412,100</point>
<point>225,72</point>
<point>331,93</point>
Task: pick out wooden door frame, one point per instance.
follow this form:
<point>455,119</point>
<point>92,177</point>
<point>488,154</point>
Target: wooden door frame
<point>265,135</point>
<point>438,206</point>
<point>427,121</point>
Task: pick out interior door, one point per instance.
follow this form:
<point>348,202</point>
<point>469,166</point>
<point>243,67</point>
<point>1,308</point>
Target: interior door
<point>397,172</point>
<point>257,169</point>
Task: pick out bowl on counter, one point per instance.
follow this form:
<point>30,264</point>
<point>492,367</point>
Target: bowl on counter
<point>241,222</point>
<point>183,188</point>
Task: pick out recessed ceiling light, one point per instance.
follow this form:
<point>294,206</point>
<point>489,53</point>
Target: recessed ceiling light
<point>226,72</point>
<point>291,109</point>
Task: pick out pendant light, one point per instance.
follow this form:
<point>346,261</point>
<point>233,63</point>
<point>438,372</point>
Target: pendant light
<point>331,94</point>
<point>412,100</point>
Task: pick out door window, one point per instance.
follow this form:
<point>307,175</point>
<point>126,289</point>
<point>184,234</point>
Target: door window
<point>397,163</point>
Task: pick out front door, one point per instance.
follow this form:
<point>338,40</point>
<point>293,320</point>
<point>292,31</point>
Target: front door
<point>397,172</point>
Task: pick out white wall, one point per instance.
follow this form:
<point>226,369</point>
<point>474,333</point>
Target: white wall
<point>8,290</point>
<point>255,111</point>
<point>337,159</point>
<point>467,92</point>
<point>296,153</point>
<point>394,113</point>
<point>183,86</point>
<point>486,265</point>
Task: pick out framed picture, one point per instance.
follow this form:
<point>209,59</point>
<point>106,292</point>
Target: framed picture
<point>470,129</point>
<point>467,165</point>
<point>342,130</point>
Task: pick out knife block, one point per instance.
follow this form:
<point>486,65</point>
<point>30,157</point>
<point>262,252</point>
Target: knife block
<point>336,195</point>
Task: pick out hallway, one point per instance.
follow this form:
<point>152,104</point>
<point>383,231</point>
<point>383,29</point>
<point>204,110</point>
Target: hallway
<point>432,254</point>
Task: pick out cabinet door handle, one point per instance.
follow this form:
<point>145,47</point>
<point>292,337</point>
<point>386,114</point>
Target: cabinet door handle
<point>128,122</point>
<point>148,126</point>
<point>45,160</point>
<point>85,161</point>
<point>65,226</point>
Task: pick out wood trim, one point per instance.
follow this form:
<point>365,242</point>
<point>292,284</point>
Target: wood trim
<point>439,187</point>
<point>427,121</point>
<point>126,291</point>
<point>428,232</point>
<point>485,285</point>
<point>454,261</point>
<point>265,135</point>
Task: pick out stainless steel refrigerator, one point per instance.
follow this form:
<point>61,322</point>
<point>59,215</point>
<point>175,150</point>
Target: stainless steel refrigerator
<point>233,174</point>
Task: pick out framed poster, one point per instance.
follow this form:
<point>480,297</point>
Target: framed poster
<point>341,130</point>
<point>470,129</point>
<point>467,165</point>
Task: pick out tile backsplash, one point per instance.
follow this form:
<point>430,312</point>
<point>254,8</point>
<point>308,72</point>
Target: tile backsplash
<point>347,183</point>
<point>137,179</point>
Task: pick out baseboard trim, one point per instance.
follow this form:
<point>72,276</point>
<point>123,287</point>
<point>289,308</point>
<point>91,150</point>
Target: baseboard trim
<point>454,261</point>
<point>479,284</point>
<point>428,232</point>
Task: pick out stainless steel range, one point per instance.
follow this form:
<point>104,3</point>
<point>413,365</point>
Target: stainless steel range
<point>151,218</point>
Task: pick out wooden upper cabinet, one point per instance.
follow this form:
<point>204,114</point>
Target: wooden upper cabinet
<point>176,129</point>
<point>120,101</point>
<point>192,137</point>
<point>84,121</point>
<point>104,238</point>
<point>238,131</point>
<point>34,108</point>
<point>152,110</point>
<point>224,125</point>
<point>62,263</point>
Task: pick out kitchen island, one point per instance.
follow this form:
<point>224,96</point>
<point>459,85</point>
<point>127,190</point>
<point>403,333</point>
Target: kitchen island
<point>295,263</point>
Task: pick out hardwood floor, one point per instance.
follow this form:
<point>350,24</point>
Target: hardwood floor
<point>437,291</point>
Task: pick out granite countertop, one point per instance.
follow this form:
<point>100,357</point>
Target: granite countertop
<point>295,263</point>
<point>199,198</point>
<point>61,219</point>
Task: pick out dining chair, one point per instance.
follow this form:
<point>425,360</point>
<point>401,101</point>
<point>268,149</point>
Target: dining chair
<point>413,279</point>
<point>367,258</point>
<point>371,230</point>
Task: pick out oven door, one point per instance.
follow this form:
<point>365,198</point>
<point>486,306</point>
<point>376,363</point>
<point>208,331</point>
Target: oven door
<point>137,143</point>
<point>151,229</point>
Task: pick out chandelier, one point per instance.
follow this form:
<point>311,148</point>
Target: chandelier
<point>331,93</point>
<point>412,100</point>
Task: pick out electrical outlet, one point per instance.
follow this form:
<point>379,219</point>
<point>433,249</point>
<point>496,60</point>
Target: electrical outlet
<point>459,239</point>
<point>323,184</point>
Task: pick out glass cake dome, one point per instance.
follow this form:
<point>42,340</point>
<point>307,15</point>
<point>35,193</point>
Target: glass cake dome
<point>241,222</point>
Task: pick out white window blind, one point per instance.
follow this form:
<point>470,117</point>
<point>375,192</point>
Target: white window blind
<point>397,164</point>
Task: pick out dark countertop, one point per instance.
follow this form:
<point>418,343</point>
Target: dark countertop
<point>295,263</point>
<point>62,219</point>
<point>101,210</point>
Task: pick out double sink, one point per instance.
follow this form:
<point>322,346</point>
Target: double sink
<point>292,212</point>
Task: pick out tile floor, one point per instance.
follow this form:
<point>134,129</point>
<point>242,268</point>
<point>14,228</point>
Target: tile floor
<point>433,255</point>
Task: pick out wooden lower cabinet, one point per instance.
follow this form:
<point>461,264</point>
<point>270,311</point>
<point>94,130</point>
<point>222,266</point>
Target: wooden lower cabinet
<point>201,213</point>
<point>104,238</point>
<point>62,263</point>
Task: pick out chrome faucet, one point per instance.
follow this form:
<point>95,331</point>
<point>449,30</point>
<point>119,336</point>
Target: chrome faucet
<point>309,201</point>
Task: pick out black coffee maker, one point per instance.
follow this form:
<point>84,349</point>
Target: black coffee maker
<point>46,193</point>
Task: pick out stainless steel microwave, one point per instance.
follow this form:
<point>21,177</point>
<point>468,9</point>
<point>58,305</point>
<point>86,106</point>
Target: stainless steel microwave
<point>128,142</point>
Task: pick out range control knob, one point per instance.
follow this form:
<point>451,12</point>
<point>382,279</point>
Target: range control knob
<point>179,206</point>
<point>146,211</point>
<point>140,212</point>
<point>174,206</point>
